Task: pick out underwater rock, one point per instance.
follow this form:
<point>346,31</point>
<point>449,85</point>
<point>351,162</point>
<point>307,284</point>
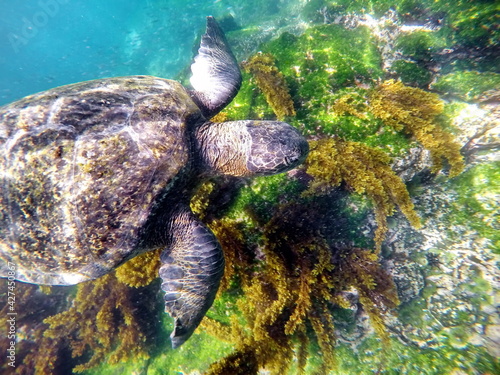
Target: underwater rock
<point>480,132</point>
<point>389,31</point>
<point>492,339</point>
<point>409,280</point>
<point>478,135</point>
<point>413,163</point>
<point>470,86</point>
<point>458,303</point>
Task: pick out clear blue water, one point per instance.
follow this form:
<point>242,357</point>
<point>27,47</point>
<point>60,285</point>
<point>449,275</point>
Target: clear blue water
<point>49,43</point>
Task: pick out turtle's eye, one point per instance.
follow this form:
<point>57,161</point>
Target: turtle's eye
<point>290,160</point>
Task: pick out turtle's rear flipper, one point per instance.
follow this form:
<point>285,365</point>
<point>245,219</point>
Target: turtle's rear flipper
<point>216,76</point>
<point>191,269</point>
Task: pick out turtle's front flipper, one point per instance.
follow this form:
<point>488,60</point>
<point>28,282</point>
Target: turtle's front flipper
<point>216,76</point>
<point>191,269</point>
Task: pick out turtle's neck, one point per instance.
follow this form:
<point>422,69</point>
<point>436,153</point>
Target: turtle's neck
<point>223,147</point>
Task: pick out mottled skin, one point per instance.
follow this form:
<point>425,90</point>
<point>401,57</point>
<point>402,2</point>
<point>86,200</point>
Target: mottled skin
<point>95,173</point>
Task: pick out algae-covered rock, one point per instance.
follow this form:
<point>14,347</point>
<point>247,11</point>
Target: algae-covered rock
<point>411,73</point>
<point>461,278</point>
<point>409,280</point>
<point>470,85</point>
<point>330,102</point>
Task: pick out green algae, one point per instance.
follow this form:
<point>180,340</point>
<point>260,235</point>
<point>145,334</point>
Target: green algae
<point>195,355</point>
<point>402,359</point>
<point>331,57</point>
<point>474,22</point>
<point>471,23</point>
<point>468,85</point>
<point>411,73</point>
<point>263,194</point>
<point>341,7</point>
<point>321,67</point>
<point>412,312</point>
<point>419,45</point>
<point>476,203</point>
<point>328,54</point>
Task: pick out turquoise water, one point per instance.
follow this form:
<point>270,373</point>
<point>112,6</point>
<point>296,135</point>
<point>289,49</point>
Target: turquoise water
<point>379,255</point>
<point>49,43</point>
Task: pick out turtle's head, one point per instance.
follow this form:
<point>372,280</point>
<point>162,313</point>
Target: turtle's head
<point>250,148</point>
<point>275,147</point>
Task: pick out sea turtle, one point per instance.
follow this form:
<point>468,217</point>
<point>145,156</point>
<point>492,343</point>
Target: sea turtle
<point>94,173</point>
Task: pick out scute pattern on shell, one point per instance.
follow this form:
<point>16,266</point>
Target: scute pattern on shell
<point>95,157</point>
